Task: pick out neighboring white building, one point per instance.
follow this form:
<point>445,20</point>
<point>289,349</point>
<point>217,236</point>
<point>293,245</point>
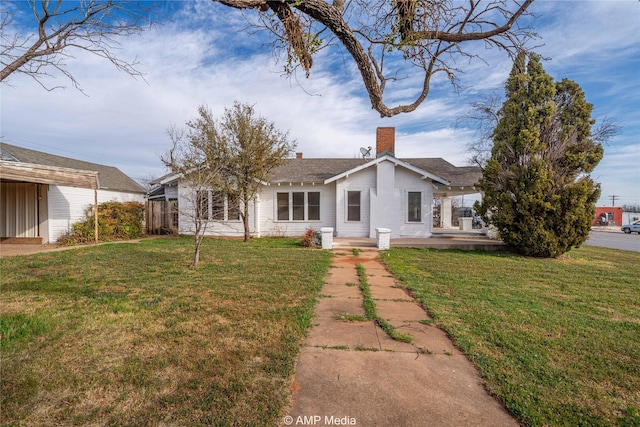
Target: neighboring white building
<point>352,196</point>
<point>42,195</point>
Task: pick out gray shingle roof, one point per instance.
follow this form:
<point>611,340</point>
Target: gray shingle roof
<point>109,177</point>
<point>317,170</point>
<point>312,170</point>
<point>459,176</point>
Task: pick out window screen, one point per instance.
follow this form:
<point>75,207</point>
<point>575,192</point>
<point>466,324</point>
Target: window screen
<point>313,206</point>
<point>353,206</point>
<point>298,206</point>
<point>283,206</point>
<point>414,206</point>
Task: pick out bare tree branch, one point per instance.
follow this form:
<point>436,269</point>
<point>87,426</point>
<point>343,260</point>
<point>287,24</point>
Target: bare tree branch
<point>61,27</point>
<point>424,37</point>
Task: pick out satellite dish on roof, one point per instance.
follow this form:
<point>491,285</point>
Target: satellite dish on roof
<point>366,152</point>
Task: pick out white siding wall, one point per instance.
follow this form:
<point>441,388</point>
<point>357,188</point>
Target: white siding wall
<point>263,215</point>
<point>384,197</point>
<point>68,204</point>
<point>385,189</point>
<point>362,181</point>
<point>270,226</point>
<point>386,200</point>
<point>171,191</point>
<point>407,181</point>
<point>186,220</point>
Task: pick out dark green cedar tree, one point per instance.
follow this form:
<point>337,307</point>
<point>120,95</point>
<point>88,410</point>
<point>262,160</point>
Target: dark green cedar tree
<point>536,187</point>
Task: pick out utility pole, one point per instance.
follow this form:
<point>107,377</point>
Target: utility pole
<point>613,200</point>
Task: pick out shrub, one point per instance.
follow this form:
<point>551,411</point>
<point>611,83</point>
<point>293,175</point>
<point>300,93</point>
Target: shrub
<point>116,221</point>
<point>311,238</point>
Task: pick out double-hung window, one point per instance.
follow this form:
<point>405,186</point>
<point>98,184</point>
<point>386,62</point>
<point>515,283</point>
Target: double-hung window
<point>216,206</point>
<point>297,200</point>
<point>353,205</point>
<point>202,205</point>
<point>313,206</point>
<point>283,206</point>
<point>298,206</point>
<point>414,206</point>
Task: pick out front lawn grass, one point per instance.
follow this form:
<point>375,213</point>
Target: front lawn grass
<point>557,340</point>
<point>129,335</point>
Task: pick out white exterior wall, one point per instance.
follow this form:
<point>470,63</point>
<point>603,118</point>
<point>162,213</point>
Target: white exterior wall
<point>67,206</point>
<point>407,181</point>
<point>186,221</point>
<point>171,191</point>
<point>268,210</point>
<point>386,201</point>
<point>363,181</point>
<point>185,206</point>
<point>389,202</point>
<point>384,192</point>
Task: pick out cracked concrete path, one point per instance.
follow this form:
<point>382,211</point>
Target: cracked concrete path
<point>352,373</point>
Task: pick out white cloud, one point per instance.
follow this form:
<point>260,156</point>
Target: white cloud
<point>199,57</point>
<point>619,174</point>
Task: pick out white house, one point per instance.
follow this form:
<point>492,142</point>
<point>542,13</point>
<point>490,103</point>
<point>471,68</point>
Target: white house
<point>353,196</point>
<point>42,195</point>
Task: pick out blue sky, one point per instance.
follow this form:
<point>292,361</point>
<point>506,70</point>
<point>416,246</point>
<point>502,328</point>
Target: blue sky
<point>199,55</point>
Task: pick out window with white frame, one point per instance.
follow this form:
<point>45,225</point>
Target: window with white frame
<point>216,206</point>
<point>414,206</point>
<point>313,206</point>
<point>218,201</point>
<point>201,205</point>
<point>298,206</point>
<point>353,205</point>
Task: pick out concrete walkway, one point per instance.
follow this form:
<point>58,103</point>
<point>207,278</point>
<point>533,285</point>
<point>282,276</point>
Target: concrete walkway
<point>352,373</point>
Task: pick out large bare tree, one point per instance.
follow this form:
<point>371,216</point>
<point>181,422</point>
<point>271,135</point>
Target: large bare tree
<point>38,37</point>
<point>250,147</point>
<point>391,40</point>
<point>192,157</point>
<point>224,163</point>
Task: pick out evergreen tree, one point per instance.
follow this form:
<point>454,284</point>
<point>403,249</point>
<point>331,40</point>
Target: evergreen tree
<point>536,185</point>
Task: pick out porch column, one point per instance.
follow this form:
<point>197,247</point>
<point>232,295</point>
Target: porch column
<point>445,212</point>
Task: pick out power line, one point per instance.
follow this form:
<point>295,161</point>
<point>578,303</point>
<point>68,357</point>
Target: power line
<point>613,200</point>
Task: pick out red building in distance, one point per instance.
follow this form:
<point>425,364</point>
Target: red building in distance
<point>608,215</point>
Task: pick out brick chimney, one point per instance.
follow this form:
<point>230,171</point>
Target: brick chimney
<point>298,155</point>
<point>385,141</point>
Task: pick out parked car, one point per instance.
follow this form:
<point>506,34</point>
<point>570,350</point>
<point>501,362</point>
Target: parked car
<point>630,228</point>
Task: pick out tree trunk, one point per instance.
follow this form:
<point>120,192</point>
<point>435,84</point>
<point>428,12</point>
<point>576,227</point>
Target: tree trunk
<point>196,252</point>
<point>245,222</point>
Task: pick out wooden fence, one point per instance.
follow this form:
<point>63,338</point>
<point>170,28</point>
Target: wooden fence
<point>162,217</point>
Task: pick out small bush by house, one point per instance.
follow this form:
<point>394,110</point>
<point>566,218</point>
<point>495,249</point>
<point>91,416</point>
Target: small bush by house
<point>116,221</point>
<point>311,238</point>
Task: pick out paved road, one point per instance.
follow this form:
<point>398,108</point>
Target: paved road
<point>615,240</point>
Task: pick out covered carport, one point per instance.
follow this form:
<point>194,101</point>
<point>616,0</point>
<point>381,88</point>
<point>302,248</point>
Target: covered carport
<point>24,197</point>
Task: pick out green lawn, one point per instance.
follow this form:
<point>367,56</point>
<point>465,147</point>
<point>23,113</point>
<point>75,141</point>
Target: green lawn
<point>557,340</point>
<point>129,335</point>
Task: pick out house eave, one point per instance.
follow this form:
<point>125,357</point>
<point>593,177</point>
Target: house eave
<point>291,183</point>
<point>40,174</point>
<point>454,190</point>
<point>388,157</point>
